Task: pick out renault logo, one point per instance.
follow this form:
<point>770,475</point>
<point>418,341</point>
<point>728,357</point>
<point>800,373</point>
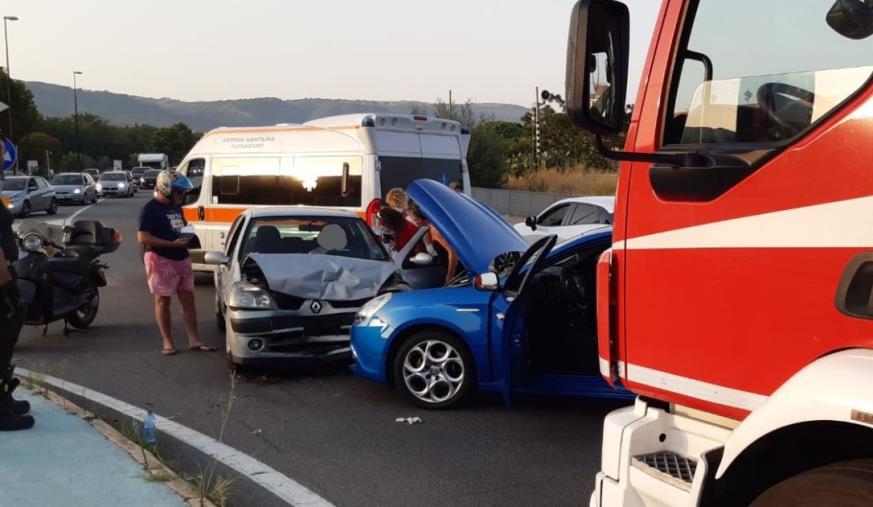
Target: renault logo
<point>315,307</point>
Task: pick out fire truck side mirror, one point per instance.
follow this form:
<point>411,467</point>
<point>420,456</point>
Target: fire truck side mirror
<point>852,18</point>
<point>597,62</point>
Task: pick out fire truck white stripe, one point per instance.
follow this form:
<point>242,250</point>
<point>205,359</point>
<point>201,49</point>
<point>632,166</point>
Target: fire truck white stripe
<point>695,388</point>
<point>838,224</point>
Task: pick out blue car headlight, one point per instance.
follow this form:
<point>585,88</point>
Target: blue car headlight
<point>371,307</point>
<point>77,190</point>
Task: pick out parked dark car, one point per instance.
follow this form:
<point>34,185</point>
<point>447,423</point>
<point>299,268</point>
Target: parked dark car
<point>149,177</point>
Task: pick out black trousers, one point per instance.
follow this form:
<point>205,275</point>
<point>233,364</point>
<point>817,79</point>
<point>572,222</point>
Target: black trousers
<point>10,328</point>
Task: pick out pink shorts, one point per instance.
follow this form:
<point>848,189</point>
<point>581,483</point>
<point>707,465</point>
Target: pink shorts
<point>167,276</point>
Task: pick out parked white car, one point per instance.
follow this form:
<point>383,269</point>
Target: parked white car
<point>568,218</point>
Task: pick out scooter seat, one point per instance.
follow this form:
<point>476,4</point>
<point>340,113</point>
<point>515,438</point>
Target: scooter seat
<point>74,265</point>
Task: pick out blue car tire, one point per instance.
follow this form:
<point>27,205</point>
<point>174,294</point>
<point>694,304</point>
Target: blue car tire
<point>434,369</point>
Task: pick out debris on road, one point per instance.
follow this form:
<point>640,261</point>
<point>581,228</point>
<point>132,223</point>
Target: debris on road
<point>409,420</point>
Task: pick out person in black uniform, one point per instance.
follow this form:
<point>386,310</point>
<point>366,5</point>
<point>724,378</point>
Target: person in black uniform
<point>13,413</point>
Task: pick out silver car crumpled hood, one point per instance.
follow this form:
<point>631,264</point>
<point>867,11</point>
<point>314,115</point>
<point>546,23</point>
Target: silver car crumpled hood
<point>325,277</point>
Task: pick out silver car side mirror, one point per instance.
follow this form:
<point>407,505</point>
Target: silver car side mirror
<point>422,259</point>
<point>487,281</point>
<point>216,259</point>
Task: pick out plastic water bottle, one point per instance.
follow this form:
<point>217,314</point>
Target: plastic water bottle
<point>148,428</point>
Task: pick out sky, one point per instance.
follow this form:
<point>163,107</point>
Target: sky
<point>484,50</point>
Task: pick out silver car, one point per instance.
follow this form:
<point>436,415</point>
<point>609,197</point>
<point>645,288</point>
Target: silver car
<point>27,194</point>
<point>114,183</point>
<point>290,281</point>
<point>74,188</point>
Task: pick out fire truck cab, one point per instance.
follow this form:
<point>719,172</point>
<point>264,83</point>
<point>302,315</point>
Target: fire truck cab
<point>737,299</point>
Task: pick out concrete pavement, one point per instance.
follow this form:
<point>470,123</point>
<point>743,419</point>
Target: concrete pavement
<point>63,460</point>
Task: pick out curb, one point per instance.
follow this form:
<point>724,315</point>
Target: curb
<point>145,458</point>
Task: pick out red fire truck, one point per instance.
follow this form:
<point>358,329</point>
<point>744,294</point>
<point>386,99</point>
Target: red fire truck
<point>737,299</point>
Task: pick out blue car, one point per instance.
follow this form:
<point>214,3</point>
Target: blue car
<point>520,319</point>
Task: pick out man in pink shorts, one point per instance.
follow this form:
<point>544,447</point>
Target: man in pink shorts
<point>167,264</point>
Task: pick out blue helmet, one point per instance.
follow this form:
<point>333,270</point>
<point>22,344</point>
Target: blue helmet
<point>169,182</point>
<point>181,183</point>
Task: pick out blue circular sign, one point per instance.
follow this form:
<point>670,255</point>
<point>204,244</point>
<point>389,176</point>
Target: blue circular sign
<point>9,155</point>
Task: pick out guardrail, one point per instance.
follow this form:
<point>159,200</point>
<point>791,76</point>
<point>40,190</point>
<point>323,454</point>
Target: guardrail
<point>519,203</point>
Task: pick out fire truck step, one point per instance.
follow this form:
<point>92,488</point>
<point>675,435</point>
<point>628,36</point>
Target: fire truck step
<point>668,467</point>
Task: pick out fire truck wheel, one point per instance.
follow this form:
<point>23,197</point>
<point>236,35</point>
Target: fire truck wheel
<point>846,483</point>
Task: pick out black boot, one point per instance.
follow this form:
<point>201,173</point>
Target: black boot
<point>10,421</point>
<point>18,407</point>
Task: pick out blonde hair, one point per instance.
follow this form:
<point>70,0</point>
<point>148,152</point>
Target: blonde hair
<point>396,198</point>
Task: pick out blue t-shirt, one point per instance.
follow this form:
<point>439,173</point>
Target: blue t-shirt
<point>163,221</point>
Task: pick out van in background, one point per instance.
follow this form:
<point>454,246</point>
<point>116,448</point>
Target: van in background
<point>342,162</point>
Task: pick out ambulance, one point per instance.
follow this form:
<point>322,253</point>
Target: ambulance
<point>341,162</point>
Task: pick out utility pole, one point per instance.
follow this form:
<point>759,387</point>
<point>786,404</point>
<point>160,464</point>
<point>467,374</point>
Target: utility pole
<point>451,111</point>
<point>76,121</point>
<point>48,162</point>
<point>536,129</point>
<point>9,81</point>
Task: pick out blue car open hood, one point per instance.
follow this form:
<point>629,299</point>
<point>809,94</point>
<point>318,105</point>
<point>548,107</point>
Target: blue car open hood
<point>476,232</point>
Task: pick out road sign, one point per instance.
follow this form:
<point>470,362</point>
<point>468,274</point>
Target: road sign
<point>9,155</point>
<point>32,166</point>
<point>116,165</point>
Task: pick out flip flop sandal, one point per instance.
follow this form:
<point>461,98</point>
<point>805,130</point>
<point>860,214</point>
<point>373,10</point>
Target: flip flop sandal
<point>202,348</point>
<point>168,352</point>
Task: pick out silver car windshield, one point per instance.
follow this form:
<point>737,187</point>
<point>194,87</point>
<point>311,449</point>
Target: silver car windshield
<point>14,184</point>
<point>338,236</point>
<point>67,179</point>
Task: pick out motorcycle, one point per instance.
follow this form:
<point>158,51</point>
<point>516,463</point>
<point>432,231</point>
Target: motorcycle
<point>61,281</point>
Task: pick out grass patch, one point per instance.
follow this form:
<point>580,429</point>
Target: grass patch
<point>572,181</point>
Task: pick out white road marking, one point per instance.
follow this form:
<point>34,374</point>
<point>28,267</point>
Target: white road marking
<point>261,474</point>
<point>72,217</point>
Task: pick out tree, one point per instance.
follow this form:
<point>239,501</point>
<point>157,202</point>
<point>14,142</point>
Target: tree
<point>25,115</point>
<point>174,141</point>
<point>75,162</point>
<point>462,113</point>
<point>34,146</point>
<point>486,157</point>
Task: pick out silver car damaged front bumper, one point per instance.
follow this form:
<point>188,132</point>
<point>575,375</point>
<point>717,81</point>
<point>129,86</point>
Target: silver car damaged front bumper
<point>305,335</point>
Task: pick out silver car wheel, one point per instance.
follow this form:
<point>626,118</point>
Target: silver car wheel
<point>433,371</point>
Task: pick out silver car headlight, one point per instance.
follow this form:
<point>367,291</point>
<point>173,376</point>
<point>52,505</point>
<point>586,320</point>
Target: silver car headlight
<point>121,185</point>
<point>371,307</point>
<point>77,190</point>
<point>99,187</point>
<point>246,295</point>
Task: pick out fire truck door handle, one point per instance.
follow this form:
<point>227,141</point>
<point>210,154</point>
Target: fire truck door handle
<point>201,213</point>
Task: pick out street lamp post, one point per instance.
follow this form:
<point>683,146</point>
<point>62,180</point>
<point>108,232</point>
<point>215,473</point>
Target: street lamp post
<point>76,119</point>
<point>9,79</point>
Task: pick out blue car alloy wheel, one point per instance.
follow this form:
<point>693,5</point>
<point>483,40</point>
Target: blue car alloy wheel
<point>434,369</point>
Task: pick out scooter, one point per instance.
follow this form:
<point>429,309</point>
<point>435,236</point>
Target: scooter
<point>61,281</point>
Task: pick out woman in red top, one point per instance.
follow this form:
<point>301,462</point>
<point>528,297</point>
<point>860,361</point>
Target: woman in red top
<point>398,226</point>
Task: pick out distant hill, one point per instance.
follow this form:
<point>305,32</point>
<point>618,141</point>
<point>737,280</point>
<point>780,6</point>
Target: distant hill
<point>56,101</point>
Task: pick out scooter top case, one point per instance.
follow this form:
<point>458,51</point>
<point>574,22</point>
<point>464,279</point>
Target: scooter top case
<point>89,238</point>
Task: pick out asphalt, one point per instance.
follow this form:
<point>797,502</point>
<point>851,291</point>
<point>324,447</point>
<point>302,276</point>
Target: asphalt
<point>330,431</point>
